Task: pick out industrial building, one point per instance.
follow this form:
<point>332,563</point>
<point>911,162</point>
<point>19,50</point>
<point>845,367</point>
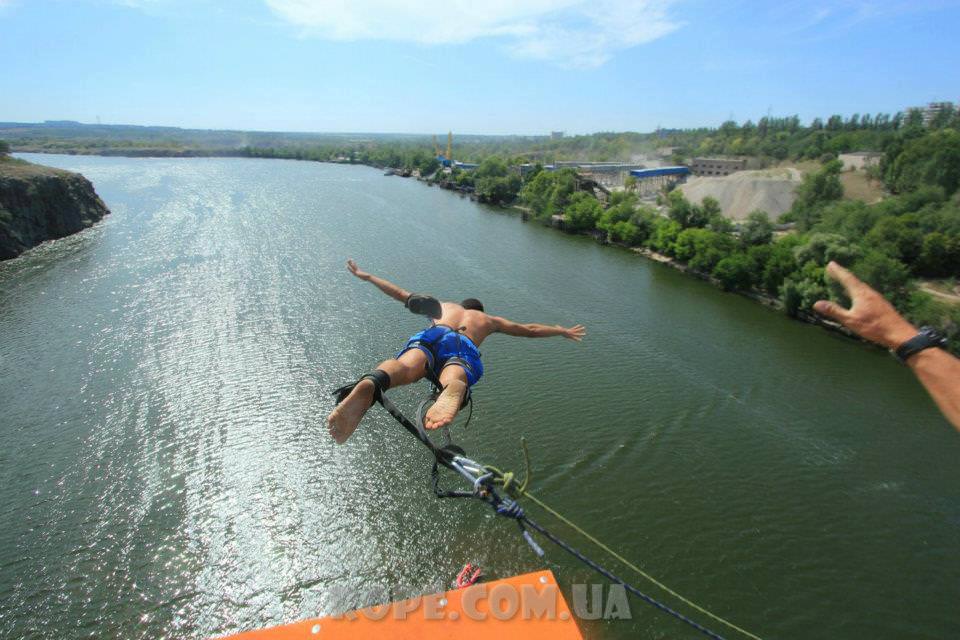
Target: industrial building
<point>651,181</point>
<point>609,174</point>
<point>717,166</point>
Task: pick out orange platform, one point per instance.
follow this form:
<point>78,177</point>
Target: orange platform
<point>526,607</point>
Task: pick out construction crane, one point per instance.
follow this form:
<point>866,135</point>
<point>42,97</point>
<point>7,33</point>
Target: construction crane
<point>450,147</point>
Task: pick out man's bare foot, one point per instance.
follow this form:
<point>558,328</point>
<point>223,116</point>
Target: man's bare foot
<point>345,417</point>
<point>444,410</point>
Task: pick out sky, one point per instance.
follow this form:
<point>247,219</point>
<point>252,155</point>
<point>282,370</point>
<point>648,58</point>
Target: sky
<point>471,66</point>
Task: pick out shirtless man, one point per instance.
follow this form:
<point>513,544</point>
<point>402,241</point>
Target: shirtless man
<point>448,348</point>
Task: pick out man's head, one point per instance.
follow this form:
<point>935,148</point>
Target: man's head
<point>472,303</point>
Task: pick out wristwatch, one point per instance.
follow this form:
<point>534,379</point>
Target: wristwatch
<point>927,337</point>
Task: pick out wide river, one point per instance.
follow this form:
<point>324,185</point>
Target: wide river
<point>165,470</point>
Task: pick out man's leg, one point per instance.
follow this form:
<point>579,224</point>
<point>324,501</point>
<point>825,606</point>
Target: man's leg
<point>345,417</point>
<point>453,379</point>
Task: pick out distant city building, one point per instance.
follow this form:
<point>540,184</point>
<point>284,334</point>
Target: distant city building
<point>859,160</point>
<point>933,109</point>
<point>556,135</point>
<point>717,166</point>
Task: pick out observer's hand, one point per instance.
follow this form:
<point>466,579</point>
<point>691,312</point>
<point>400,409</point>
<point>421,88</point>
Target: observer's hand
<point>575,333</point>
<point>871,316</point>
<point>355,270</point>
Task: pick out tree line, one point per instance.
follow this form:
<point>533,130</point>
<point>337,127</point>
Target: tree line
<point>913,234</point>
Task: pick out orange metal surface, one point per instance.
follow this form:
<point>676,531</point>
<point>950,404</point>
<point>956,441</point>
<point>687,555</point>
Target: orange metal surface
<point>527,607</point>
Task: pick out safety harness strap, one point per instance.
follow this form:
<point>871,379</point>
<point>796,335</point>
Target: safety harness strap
<point>381,382</point>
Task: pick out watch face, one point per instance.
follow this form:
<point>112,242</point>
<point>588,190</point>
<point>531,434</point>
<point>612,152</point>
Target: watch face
<point>933,335</point>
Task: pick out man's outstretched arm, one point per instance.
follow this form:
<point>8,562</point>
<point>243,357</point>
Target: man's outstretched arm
<point>392,290</point>
<point>875,319</point>
<point>534,330</point>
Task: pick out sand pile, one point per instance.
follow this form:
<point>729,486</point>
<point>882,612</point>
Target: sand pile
<point>770,190</point>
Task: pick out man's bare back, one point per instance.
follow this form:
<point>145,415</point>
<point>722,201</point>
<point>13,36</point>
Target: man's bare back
<point>476,325</point>
<point>456,371</point>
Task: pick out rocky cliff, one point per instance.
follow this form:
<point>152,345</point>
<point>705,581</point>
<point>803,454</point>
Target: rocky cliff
<point>40,203</point>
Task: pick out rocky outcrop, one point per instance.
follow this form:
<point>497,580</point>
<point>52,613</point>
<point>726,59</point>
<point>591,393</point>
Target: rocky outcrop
<point>40,203</point>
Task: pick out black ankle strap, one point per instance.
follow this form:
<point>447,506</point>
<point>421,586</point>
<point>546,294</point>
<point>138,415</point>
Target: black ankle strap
<point>381,383</point>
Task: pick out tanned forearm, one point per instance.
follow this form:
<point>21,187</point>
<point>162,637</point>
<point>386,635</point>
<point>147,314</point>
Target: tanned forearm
<point>874,318</point>
<point>534,330</point>
<point>392,290</point>
<point>939,372</point>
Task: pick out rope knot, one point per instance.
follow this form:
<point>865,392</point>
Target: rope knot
<point>510,509</point>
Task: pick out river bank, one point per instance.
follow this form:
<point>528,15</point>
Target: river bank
<point>40,203</point>
<point>760,297</point>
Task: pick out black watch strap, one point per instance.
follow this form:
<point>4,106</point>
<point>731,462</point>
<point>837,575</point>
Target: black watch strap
<point>926,338</point>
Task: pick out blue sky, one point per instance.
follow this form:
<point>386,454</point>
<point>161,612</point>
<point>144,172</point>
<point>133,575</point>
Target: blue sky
<point>490,66</point>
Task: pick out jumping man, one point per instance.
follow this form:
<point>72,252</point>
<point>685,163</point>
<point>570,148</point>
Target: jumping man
<point>448,348</point>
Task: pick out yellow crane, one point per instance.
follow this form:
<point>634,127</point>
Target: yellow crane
<point>449,155</point>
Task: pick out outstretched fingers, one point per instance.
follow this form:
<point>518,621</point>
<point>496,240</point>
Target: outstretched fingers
<point>850,282</point>
<point>576,332</point>
<point>832,310</point>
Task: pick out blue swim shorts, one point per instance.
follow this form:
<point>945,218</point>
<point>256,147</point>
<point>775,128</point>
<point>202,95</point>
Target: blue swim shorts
<point>445,346</point>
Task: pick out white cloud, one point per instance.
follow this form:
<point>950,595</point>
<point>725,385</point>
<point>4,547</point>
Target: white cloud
<point>578,33</point>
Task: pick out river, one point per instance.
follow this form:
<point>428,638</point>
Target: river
<point>164,380</point>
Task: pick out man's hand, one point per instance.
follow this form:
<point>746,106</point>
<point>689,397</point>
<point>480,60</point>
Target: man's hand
<point>871,316</point>
<point>355,270</point>
<point>575,333</point>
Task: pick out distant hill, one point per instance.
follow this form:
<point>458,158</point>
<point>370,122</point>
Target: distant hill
<point>65,136</point>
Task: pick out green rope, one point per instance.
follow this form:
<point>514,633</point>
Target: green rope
<point>508,482</point>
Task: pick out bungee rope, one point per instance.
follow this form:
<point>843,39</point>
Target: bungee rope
<point>505,480</point>
<point>486,479</point>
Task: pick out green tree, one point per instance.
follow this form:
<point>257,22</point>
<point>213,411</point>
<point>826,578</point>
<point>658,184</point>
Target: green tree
<point>892,236</point>
<point>710,207</point>
<point>821,248</point>
<point>817,189</point>
<point>582,212</point>
<point>702,249</point>
<point>492,167</point>
<point>679,208</point>
<point>932,159</point>
<point>428,166</point>
<point>735,272</point>
<point>664,236</point>
<point>4,147</point>
<point>757,229</point>
<point>886,275</point>
<point>549,191</point>
<point>939,256</point>
<point>620,210</point>
<point>498,190</point>
<point>802,289</point>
